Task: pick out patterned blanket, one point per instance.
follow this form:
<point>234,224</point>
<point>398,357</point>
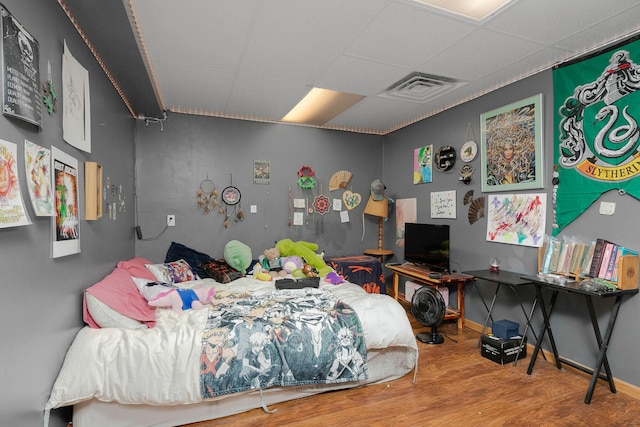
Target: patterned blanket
<point>280,338</point>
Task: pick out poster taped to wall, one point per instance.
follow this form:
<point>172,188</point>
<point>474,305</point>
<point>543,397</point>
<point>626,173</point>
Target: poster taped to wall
<point>12,210</point>
<point>443,204</point>
<point>76,113</point>
<point>37,166</point>
<point>516,219</point>
<point>65,225</point>
<point>406,211</point>
<point>21,95</point>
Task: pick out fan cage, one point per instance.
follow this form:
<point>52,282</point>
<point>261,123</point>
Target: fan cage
<point>429,308</point>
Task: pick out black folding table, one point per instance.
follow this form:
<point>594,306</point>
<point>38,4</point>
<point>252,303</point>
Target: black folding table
<point>572,288</point>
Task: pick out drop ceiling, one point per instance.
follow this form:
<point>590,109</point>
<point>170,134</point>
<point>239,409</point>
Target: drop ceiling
<point>255,59</point>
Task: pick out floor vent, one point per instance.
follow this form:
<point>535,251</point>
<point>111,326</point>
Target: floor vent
<point>421,87</point>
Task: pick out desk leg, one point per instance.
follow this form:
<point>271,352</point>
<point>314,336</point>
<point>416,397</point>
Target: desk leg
<point>547,329</point>
<point>528,326</point>
<point>461,305</point>
<point>395,285</point>
<point>603,345</point>
<point>489,310</point>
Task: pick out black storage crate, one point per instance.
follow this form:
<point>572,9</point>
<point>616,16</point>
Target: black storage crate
<point>503,350</point>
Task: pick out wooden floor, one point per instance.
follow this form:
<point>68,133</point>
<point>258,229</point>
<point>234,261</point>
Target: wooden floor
<point>457,387</point>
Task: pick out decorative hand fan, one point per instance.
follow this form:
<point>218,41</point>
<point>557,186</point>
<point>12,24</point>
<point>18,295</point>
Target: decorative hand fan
<point>476,210</point>
<point>339,179</point>
<point>468,197</point>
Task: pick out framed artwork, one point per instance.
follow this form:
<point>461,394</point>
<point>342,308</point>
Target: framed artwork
<point>511,146</point>
<point>422,164</point>
<point>261,171</point>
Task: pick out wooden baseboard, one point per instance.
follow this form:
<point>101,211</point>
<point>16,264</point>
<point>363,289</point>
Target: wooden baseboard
<point>621,386</point>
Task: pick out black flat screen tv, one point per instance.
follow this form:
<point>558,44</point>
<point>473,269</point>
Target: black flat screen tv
<point>428,245</point>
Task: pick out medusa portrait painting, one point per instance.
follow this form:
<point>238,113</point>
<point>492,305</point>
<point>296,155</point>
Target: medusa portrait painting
<point>511,146</point>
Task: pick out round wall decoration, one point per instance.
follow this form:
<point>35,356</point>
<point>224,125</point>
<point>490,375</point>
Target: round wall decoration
<point>468,151</point>
<point>445,158</point>
<point>231,196</point>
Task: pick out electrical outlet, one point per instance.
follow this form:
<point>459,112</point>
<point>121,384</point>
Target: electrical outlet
<point>171,220</point>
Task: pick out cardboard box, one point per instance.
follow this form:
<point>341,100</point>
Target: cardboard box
<point>505,329</point>
<point>411,287</point>
<point>503,351</point>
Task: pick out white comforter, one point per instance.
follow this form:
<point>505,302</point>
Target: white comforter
<point>160,366</point>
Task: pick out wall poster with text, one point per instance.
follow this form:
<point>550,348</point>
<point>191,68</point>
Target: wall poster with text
<point>21,95</point>
<point>65,225</point>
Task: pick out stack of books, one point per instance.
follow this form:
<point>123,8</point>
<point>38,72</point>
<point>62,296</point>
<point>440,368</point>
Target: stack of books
<point>599,258</point>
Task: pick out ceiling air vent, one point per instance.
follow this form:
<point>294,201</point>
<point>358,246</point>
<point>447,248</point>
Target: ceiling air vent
<point>421,87</point>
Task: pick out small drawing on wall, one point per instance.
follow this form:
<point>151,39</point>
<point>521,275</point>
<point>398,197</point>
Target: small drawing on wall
<point>261,171</point>
<point>443,204</point>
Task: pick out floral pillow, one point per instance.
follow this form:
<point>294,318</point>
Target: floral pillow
<point>173,272</point>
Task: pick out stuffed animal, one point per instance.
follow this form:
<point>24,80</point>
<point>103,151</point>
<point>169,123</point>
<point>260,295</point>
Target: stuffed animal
<point>334,278</point>
<point>270,261</point>
<point>306,251</point>
<point>184,299</point>
<point>291,263</point>
<point>238,255</point>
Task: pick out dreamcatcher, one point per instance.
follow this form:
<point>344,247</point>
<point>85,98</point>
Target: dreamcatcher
<point>231,197</point>
<point>207,196</point>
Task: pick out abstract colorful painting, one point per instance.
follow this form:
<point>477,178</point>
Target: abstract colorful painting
<point>422,164</point>
<point>516,219</point>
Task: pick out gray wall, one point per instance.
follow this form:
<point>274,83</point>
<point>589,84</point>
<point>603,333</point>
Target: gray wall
<point>172,163</point>
<point>42,297</point>
<point>470,250</point>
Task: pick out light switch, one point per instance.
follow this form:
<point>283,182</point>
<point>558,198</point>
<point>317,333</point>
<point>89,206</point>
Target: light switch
<point>254,209</point>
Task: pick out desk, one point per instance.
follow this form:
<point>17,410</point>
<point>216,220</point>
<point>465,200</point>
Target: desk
<point>571,288</point>
<point>421,275</point>
<point>513,281</point>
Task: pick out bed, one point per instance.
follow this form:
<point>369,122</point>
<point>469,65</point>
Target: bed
<point>173,368</point>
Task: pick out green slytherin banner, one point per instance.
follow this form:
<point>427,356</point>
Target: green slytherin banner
<point>597,108</point>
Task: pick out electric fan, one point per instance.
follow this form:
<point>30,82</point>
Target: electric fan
<point>428,307</point>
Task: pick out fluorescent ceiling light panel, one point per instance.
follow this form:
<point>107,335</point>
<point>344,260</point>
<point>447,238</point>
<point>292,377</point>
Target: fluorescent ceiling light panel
<point>474,9</point>
<point>321,105</point>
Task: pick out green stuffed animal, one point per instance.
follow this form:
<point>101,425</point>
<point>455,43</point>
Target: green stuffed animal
<point>238,255</point>
<point>306,251</point>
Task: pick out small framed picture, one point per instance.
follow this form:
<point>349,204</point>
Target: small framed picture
<point>261,171</point>
<point>511,146</point>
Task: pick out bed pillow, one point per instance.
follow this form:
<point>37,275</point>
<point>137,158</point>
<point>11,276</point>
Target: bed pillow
<point>172,272</point>
<point>106,317</point>
<point>136,267</point>
<point>150,288</point>
<point>119,292</point>
<point>220,271</point>
<point>178,251</point>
